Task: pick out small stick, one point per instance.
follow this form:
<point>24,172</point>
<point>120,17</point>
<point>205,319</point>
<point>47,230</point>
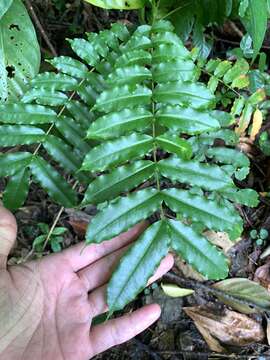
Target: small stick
<point>40,27</point>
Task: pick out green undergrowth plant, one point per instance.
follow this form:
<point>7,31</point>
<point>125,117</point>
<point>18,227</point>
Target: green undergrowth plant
<point>147,144</point>
<point>48,126</point>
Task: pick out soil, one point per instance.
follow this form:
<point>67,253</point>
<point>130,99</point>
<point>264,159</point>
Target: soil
<point>174,336</point>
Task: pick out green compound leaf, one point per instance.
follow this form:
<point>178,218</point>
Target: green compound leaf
<point>186,120</point>
<point>73,133</point>
<point>53,182</point>
<point>45,97</point>
<point>182,70</point>
<point>10,164</point>
<point>58,150</point>
<point>118,4</point>
<point>139,57</point>
<point>198,208</point>
<point>116,124</point>
<point>209,177</point>
<point>117,151</point>
<point>174,144</point>
<point>19,51</point>
<point>247,197</point>
<point>85,50</point>
<point>70,66</point>
<point>121,215</point>
<point>12,135</point>
<point>122,179</point>
<point>229,156</point>
<point>198,251</point>
<point>125,96</point>
<point>27,114</point>
<point>193,95</point>
<point>129,75</point>
<point>17,189</point>
<point>138,265</point>
<point>54,82</point>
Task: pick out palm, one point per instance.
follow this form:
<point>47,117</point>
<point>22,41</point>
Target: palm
<point>48,306</point>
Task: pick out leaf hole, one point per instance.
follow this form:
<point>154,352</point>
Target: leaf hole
<point>10,71</point>
<point>14,26</point>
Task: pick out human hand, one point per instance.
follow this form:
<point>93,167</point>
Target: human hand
<point>46,306</point>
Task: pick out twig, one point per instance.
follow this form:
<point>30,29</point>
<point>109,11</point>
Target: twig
<point>55,222</point>
<point>208,289</point>
<point>40,27</point>
<point>236,29</point>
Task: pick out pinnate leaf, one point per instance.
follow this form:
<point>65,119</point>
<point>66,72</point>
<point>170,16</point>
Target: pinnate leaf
<point>121,215</point>
<point>197,251</point>
<point>137,266</point>
<point>117,151</point>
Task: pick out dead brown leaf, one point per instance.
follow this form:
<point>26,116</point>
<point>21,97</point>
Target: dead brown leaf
<point>186,270</point>
<point>228,327</point>
<point>262,275</point>
<point>220,239</point>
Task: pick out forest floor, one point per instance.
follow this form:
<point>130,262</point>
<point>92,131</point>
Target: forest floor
<point>175,335</point>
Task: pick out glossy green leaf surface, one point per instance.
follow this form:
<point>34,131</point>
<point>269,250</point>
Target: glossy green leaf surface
<point>52,182</point>
<point>209,177</point>
<point>186,120</point>
<point>137,265</point>
<point>27,114</point>
<point>10,163</point>
<point>121,215</point>
<point>45,97</point>
<point>125,96</point>
<point>17,189</point>
<point>12,135</point>
<point>116,124</point>
<point>54,82</point>
<point>70,66</point>
<point>19,51</point>
<point>197,251</point>
<point>210,213</point>
<point>174,144</point>
<point>117,151</point>
<point>193,95</point>
<point>173,71</point>
<point>122,179</point>
<point>4,6</point>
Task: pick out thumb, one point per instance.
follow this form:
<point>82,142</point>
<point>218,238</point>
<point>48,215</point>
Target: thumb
<point>8,233</point>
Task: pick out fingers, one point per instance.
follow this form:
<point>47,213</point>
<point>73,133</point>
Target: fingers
<point>97,298</point>
<point>8,233</point>
<point>117,331</point>
<point>100,272</point>
<point>80,259</point>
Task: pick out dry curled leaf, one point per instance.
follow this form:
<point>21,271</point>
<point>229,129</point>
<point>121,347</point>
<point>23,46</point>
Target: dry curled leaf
<point>228,327</point>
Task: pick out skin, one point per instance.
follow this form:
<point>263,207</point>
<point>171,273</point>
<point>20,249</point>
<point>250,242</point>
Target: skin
<point>46,306</point>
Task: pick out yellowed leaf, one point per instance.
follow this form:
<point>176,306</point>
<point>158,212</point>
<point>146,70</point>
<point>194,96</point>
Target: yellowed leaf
<point>176,291</point>
<point>229,327</point>
<point>256,124</point>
